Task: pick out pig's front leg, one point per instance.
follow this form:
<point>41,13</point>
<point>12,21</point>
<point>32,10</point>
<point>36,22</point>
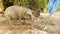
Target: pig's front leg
<point>19,21</point>
<point>9,20</point>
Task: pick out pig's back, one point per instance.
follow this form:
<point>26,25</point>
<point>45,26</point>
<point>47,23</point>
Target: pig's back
<point>11,11</point>
<point>15,11</point>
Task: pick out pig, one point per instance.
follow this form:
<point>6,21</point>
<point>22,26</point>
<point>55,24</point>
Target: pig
<point>17,12</point>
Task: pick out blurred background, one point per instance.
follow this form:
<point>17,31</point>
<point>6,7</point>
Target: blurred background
<point>36,5</point>
<point>52,26</point>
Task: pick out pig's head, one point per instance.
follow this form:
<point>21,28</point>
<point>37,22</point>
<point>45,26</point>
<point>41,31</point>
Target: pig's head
<point>36,13</point>
<point>30,14</point>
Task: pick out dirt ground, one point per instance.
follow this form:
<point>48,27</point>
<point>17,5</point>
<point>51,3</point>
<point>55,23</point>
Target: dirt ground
<point>37,26</point>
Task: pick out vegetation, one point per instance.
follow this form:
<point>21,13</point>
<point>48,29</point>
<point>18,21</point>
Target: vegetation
<point>32,4</point>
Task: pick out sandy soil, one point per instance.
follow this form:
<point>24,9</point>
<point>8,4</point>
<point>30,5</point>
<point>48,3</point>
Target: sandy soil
<point>40,26</point>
